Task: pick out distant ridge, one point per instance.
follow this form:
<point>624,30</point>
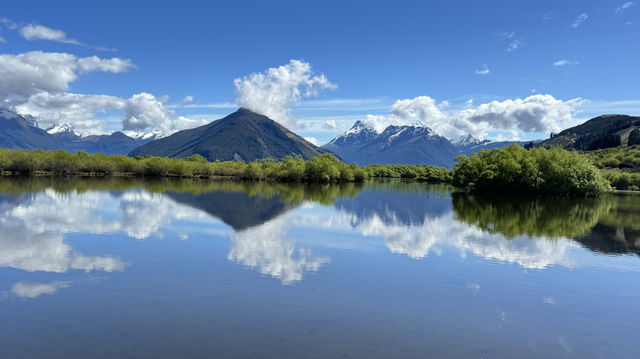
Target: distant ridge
<point>18,131</point>
<point>243,136</point>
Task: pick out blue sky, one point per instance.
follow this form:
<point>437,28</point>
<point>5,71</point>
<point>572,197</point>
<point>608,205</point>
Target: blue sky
<point>373,52</point>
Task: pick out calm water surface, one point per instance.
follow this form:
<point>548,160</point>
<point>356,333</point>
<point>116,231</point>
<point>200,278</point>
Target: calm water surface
<point>130,269</point>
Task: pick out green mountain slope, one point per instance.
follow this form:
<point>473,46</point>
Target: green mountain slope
<point>243,135</point>
<point>600,132</point>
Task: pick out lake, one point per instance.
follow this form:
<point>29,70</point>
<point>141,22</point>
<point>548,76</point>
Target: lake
<point>125,268</point>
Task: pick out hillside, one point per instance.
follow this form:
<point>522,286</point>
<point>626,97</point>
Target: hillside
<point>600,132</point>
<point>243,135</point>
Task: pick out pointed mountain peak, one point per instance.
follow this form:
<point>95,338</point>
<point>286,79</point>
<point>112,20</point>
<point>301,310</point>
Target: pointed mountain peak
<point>62,128</point>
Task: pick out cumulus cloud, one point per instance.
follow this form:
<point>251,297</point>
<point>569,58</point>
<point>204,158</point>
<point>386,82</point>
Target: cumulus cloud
<point>26,74</point>
<point>144,111</point>
<point>33,32</point>
<point>140,112</point>
<point>579,20</point>
<point>32,290</point>
<point>536,113</point>
<point>75,109</point>
<point>624,6</point>
<point>483,70</point>
<point>274,91</point>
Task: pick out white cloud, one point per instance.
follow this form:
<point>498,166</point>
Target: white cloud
<point>329,125</point>
<point>114,65</point>
<point>561,63</point>
<point>580,19</point>
<point>75,109</point>
<point>8,23</point>
<point>140,112</point>
<point>483,70</point>
<point>185,101</point>
<point>32,290</point>
<point>33,32</point>
<point>2,40</point>
<point>144,111</point>
<point>507,34</point>
<point>273,92</point>
<point>514,45</point>
<point>26,74</point>
<point>536,113</point>
<point>313,140</point>
<point>624,6</point>
<point>548,16</point>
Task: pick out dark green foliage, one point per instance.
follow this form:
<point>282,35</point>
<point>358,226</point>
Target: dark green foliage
<point>634,137</point>
<point>625,158</point>
<point>603,142</point>
<point>326,168</point>
<point>429,174</point>
<point>534,216</point>
<point>623,180</point>
<point>538,170</point>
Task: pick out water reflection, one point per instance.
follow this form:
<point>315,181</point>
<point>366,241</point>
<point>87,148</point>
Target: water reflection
<point>413,219</point>
<point>608,224</point>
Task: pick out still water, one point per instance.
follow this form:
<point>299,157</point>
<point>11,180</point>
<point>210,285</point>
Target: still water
<point>177,269</point>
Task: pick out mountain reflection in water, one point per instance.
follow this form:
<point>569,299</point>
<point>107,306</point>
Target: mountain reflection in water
<point>413,219</point>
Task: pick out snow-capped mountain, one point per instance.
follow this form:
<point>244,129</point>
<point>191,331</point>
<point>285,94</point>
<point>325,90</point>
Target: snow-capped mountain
<point>408,144</point>
<point>62,128</point>
<point>146,135</point>
<point>359,134</point>
<point>468,140</point>
<point>18,131</point>
<point>395,145</point>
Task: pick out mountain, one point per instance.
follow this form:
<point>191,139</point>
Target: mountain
<point>414,145</point>
<point>63,129</point>
<point>243,135</point>
<point>348,143</point>
<point>599,132</point>
<point>469,141</point>
<point>145,135</point>
<point>18,131</point>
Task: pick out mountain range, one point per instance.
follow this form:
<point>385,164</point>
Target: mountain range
<point>245,136</point>
<point>413,145</point>
<point>242,136</point>
<point>18,131</point>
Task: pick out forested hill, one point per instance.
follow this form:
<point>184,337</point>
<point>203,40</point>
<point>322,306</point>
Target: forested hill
<point>601,132</point>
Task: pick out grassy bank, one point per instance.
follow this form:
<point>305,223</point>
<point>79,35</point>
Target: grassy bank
<point>513,168</point>
<point>323,169</point>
